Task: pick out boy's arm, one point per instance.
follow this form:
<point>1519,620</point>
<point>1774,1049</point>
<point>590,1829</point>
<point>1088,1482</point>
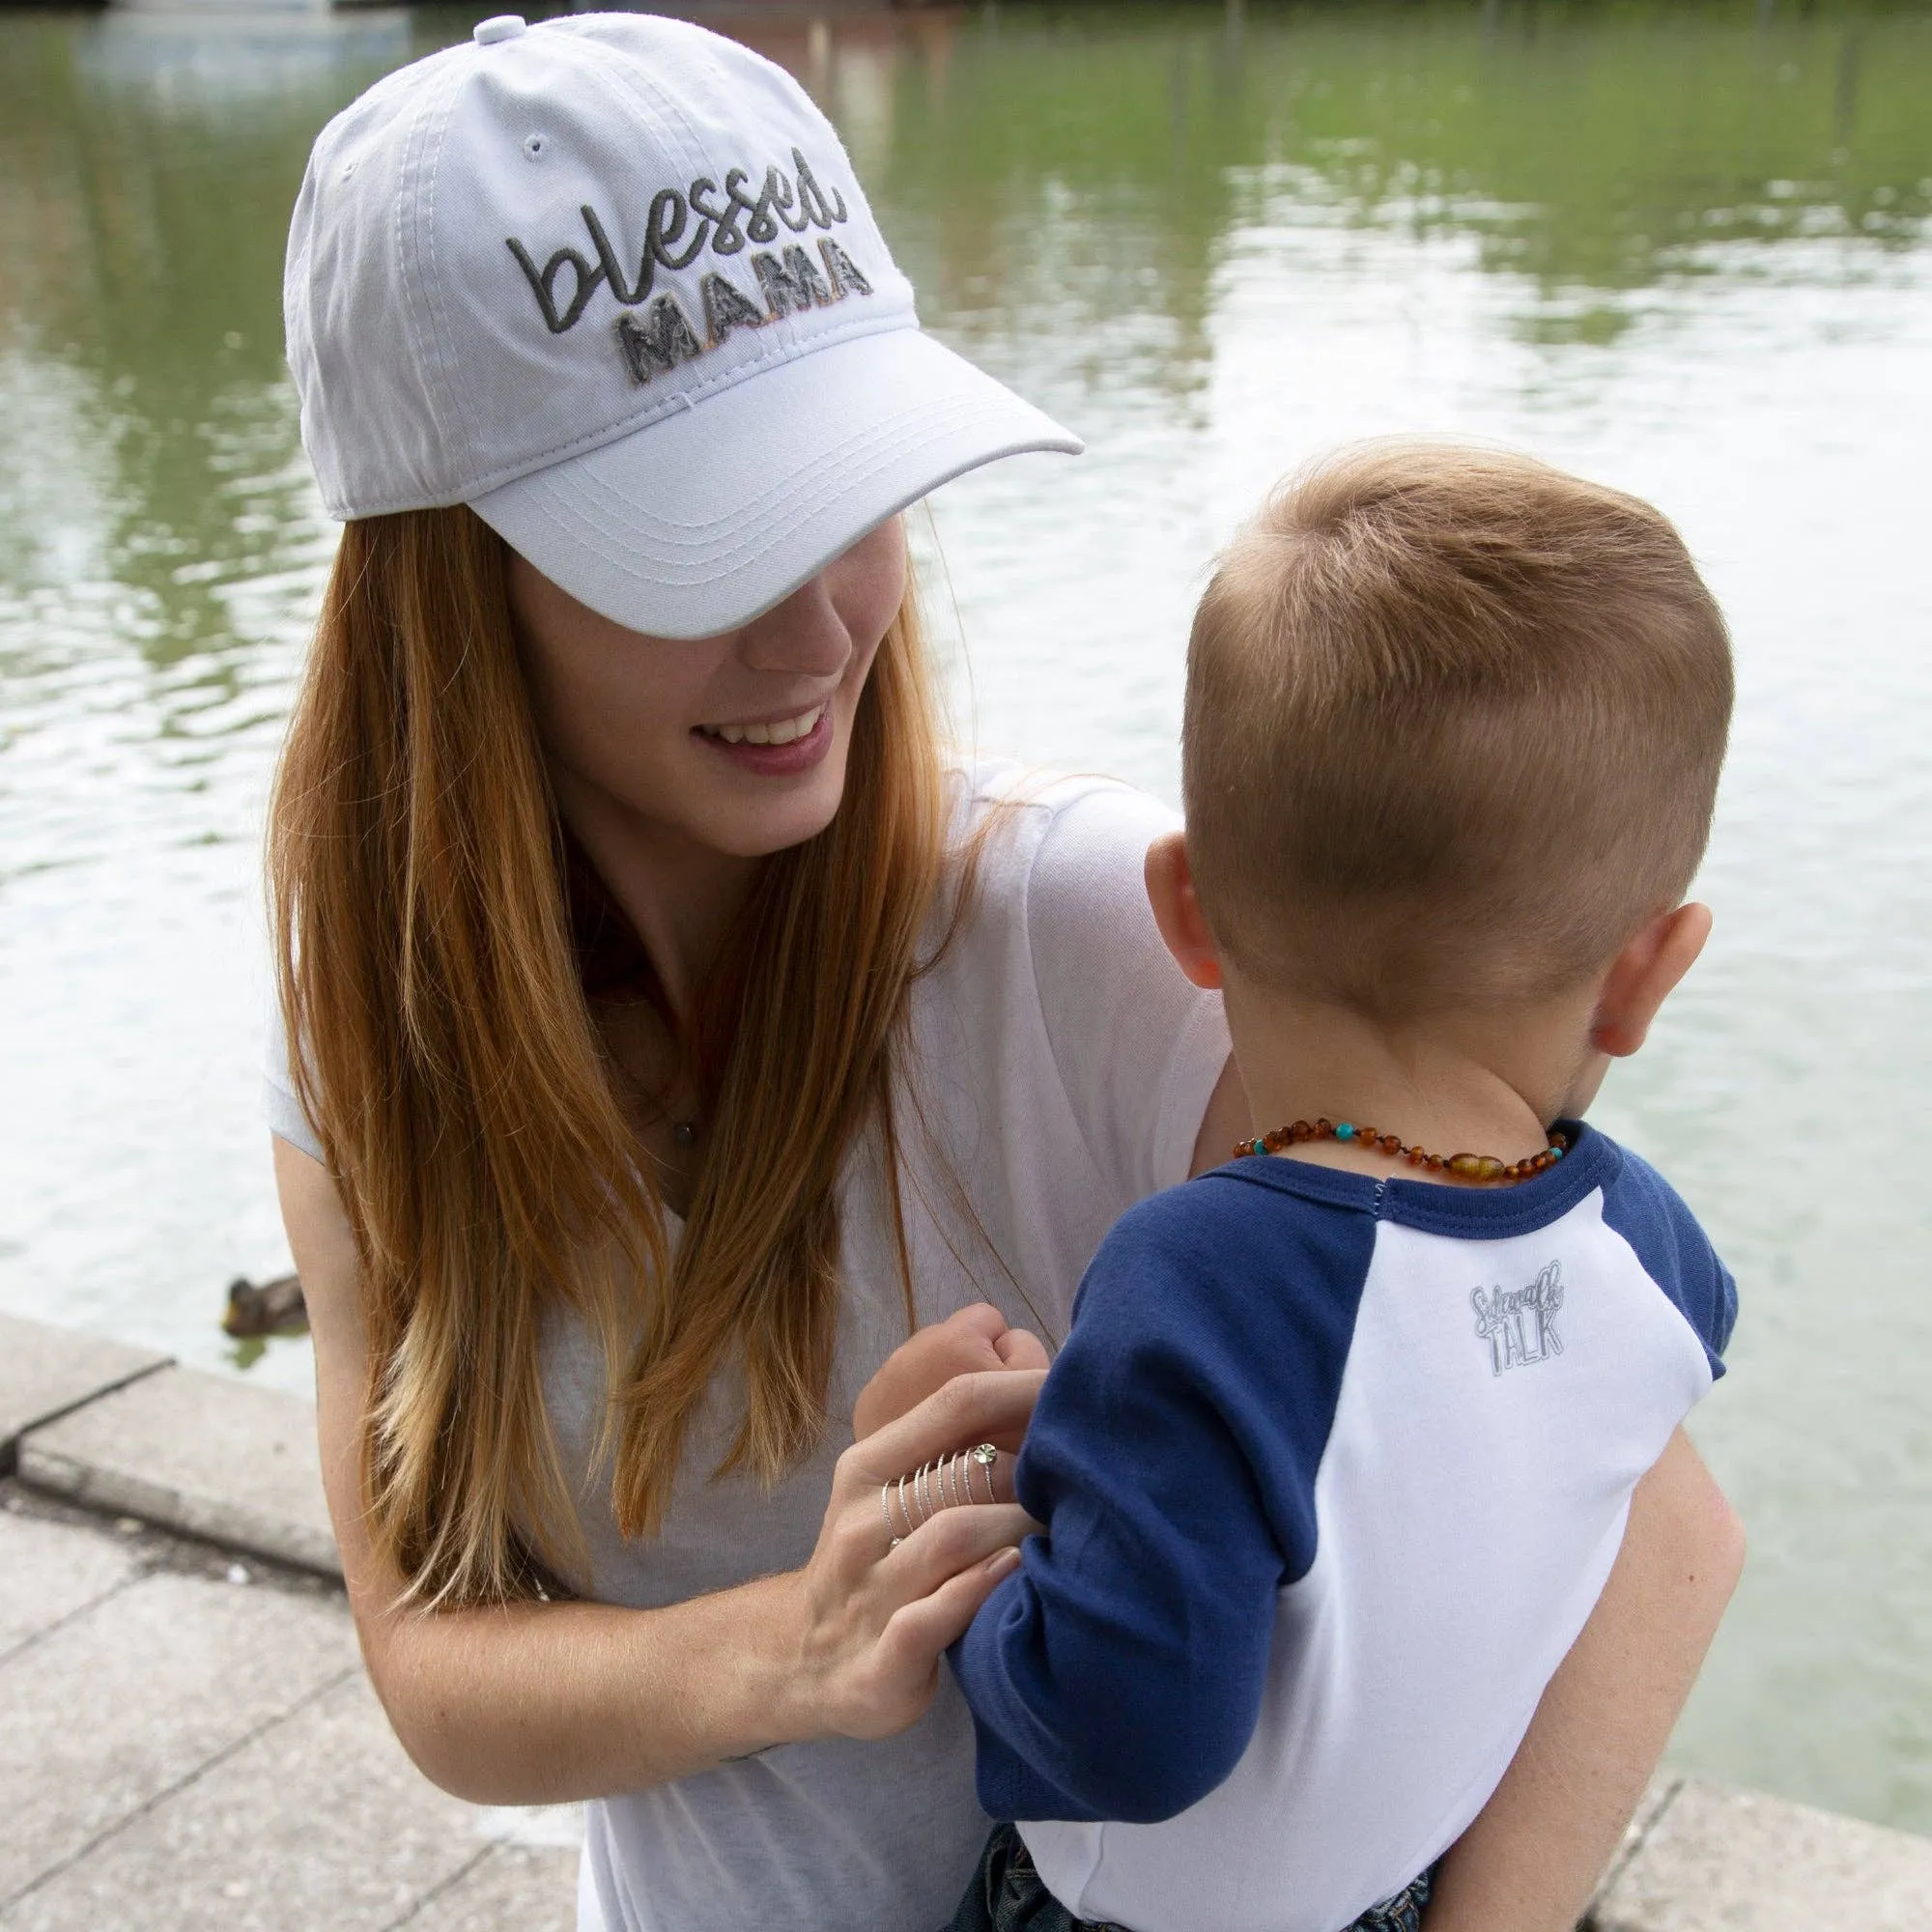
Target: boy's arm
<point>1119,1673</point>
<point>1537,1849</point>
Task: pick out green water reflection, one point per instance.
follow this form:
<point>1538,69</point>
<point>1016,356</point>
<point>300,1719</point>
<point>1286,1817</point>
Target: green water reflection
<point>145,177</point>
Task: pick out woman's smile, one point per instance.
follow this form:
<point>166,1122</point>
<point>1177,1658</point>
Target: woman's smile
<point>768,730</point>
<point>775,748</point>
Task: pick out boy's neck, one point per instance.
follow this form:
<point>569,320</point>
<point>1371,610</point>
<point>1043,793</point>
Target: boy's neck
<point>1453,1083</point>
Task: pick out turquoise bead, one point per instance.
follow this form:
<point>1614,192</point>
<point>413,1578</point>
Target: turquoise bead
<point>1344,1131</point>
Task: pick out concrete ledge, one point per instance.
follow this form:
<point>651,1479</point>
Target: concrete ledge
<point>1663,1789</point>
<point>46,1371</point>
<point>199,1454</point>
<point>1715,1860</point>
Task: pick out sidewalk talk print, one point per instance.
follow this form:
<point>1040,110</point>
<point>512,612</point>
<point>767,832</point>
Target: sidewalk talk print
<point>1519,1325</point>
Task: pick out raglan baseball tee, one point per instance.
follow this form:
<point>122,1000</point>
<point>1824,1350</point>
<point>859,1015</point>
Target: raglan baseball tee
<point>1332,1470</point>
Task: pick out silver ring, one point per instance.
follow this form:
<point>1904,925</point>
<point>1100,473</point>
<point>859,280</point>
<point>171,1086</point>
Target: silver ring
<point>945,1482</point>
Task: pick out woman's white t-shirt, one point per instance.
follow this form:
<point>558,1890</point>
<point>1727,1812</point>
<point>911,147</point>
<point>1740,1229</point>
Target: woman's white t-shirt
<point>1059,1067</point>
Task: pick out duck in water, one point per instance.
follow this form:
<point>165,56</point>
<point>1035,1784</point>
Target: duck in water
<point>274,1308</point>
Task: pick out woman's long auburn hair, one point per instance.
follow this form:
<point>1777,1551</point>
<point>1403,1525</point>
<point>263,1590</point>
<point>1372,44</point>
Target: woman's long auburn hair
<point>467,1108</point>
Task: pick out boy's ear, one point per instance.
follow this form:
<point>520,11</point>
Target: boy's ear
<point>1644,975</point>
<point>1170,891</point>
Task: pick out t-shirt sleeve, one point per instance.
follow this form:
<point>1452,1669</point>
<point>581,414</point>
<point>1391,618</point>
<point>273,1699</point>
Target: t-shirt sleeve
<point>1138,1049</point>
<point>280,1107</point>
<point>1675,1252</point>
<point>1119,1673</point>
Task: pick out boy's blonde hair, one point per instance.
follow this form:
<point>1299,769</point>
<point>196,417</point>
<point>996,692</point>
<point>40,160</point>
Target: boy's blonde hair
<point>1453,729</point>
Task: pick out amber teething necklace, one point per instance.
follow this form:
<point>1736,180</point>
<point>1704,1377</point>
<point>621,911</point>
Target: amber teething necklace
<point>1466,1166</point>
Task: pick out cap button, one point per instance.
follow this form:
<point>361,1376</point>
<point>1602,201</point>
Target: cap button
<point>498,27</point>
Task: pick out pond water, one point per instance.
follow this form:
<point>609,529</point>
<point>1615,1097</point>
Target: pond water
<point>1681,249</point>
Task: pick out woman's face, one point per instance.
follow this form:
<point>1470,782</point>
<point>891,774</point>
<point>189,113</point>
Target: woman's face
<point>737,741</point>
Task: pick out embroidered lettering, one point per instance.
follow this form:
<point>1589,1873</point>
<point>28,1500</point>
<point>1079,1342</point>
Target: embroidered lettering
<point>662,229</point>
<point>726,239</point>
<point>763,225</point>
<point>843,271</point>
<point>1519,1325</point>
<point>783,200</point>
<point>666,226</point>
<point>794,283</point>
<point>543,284</point>
<point>811,198</point>
<point>609,266</point>
<point>657,344</point>
<point>725,309</point>
<point>681,225</point>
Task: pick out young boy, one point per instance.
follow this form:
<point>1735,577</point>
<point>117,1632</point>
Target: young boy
<point>1337,1454</point>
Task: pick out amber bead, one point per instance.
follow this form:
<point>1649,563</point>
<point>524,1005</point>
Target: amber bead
<point>1475,1166</point>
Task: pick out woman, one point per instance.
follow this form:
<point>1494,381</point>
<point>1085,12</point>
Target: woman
<point>675,1034</point>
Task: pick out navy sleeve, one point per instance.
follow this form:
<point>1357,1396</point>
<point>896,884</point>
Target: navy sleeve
<point>1676,1252</point>
<point>1118,1672</point>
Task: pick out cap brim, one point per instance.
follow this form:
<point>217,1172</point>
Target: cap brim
<point>703,520</point>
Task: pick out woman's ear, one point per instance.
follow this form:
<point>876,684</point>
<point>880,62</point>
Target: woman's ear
<point>1644,975</point>
<point>1177,911</point>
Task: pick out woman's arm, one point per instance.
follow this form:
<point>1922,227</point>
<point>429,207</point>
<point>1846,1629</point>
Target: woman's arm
<point>1538,1848</point>
<point>535,1703</point>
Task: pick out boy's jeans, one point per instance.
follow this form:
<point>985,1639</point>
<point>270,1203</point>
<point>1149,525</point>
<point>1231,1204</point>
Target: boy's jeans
<point>1007,1896</point>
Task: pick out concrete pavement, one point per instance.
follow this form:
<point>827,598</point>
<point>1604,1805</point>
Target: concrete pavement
<point>186,1740</point>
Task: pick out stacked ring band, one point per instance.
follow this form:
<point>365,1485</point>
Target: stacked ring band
<point>943,1484</point>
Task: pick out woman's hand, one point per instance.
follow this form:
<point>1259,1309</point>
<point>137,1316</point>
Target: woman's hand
<point>973,1340</point>
<point>873,1618</point>
<point>542,1703</point>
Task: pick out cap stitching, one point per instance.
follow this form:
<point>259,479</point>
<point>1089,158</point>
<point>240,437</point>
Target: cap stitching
<point>574,519</point>
<point>440,316</point>
<point>660,112</point>
<point>939,414</point>
<point>612,80</point>
<point>928,414</point>
<point>409,262</point>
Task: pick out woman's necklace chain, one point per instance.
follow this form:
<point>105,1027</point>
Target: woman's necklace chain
<point>1465,1166</point>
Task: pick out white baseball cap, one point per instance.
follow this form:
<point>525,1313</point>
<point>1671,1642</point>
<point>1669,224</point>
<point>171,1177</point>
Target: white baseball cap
<point>612,281</point>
